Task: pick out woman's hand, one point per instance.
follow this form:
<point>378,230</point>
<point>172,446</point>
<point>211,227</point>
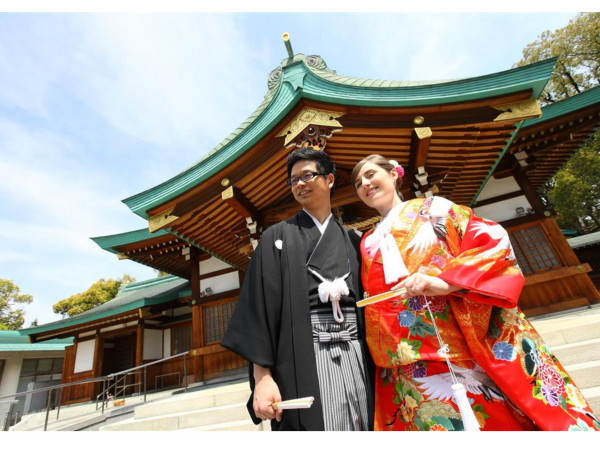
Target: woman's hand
<point>266,392</point>
<point>421,284</point>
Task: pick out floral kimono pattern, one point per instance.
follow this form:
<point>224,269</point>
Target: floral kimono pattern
<point>512,379</point>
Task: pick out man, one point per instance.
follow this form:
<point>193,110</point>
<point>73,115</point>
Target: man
<point>301,343</point>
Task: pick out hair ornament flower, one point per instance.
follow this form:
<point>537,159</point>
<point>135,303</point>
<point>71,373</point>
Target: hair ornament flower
<point>399,169</point>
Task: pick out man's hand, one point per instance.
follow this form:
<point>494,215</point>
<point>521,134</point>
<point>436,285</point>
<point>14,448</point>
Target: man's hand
<point>266,392</point>
<point>421,284</point>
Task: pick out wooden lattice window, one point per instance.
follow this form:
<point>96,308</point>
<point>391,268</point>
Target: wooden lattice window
<point>534,253</point>
<point>181,338</point>
<point>216,321</point>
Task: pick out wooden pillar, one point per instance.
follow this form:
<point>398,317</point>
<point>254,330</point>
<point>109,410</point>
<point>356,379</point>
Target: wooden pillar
<point>525,184</point>
<point>139,344</point>
<point>197,320</point>
<point>139,353</point>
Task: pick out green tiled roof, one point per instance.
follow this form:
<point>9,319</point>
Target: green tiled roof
<point>309,77</point>
<point>130,297</point>
<point>110,242</point>
<point>15,341</point>
<point>585,240</point>
<point>560,108</point>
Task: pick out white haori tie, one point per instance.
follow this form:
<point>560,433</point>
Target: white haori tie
<point>383,239</point>
<point>332,290</point>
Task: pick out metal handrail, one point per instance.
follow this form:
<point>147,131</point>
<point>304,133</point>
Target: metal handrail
<point>105,394</point>
<point>103,379</point>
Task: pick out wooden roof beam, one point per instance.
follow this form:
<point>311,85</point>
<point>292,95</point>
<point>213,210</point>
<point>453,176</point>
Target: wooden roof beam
<point>239,203</point>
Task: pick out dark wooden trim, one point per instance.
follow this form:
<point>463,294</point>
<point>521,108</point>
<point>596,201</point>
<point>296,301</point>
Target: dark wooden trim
<point>216,273</point>
<point>239,203</point>
<point>556,307</point>
<point>220,296</point>
<point>208,350</point>
<point>499,198</point>
<point>522,220</point>
<point>557,274</point>
<point>532,196</point>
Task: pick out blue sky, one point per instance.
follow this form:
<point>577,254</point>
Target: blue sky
<point>95,108</point>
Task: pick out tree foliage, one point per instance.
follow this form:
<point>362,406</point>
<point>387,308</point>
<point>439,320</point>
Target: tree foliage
<point>576,191</point>
<point>12,317</point>
<point>98,293</point>
<point>577,47</point>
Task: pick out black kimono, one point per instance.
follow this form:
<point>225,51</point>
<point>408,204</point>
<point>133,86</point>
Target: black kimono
<point>271,325</point>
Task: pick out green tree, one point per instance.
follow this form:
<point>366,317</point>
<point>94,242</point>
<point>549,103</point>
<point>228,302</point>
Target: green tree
<point>98,293</point>
<point>11,317</point>
<point>577,47</point>
<point>576,191</point>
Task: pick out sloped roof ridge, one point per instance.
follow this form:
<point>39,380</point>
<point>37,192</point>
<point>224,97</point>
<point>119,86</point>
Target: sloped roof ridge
<point>316,66</point>
<point>136,285</point>
<point>567,105</point>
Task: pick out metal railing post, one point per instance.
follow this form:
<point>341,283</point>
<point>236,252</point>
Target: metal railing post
<point>106,385</point>
<point>59,402</point>
<point>185,381</point>
<point>9,414</point>
<point>50,392</point>
<point>103,394</point>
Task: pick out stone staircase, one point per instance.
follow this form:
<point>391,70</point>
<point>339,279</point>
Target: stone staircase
<point>213,408</point>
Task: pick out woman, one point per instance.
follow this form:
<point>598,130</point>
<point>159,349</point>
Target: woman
<point>461,270</point>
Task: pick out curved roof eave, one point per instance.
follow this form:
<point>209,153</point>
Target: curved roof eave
<point>109,243</point>
<point>299,81</point>
<point>566,106</point>
<point>151,292</point>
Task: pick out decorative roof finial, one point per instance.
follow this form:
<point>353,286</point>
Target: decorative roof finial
<point>288,44</point>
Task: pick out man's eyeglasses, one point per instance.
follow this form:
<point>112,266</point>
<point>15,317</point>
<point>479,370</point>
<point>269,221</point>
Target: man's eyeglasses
<point>305,177</point>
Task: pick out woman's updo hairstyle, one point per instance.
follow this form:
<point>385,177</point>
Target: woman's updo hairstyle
<point>385,164</point>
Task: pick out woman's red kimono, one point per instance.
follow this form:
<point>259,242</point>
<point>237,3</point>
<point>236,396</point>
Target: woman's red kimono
<point>513,381</point>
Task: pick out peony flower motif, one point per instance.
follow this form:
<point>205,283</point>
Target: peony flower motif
<point>575,396</point>
<point>550,377</point>
<point>438,427</point>
<point>550,395</point>
<point>406,318</point>
<point>420,370</point>
<point>504,351</point>
<point>407,370</point>
<point>437,303</point>
<point>509,315</point>
<point>406,355</point>
<point>545,358</point>
<point>410,402</point>
<point>415,304</point>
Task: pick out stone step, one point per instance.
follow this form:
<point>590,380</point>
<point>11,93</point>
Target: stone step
<point>183,420</point>
<point>561,330</point>
<point>207,398</point>
<point>585,375</point>
<point>592,395</point>
<point>578,352</point>
<point>241,425</point>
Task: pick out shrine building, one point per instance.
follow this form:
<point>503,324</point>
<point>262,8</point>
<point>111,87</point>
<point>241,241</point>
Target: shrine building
<point>483,142</point>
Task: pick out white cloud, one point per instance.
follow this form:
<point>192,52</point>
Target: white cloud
<point>152,76</point>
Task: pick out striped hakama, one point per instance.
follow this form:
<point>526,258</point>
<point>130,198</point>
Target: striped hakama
<point>341,371</point>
